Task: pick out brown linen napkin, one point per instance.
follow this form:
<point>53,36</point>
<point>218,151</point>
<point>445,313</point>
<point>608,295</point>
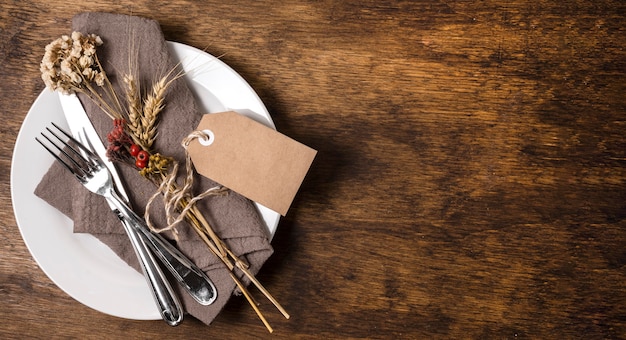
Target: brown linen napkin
<point>233,217</point>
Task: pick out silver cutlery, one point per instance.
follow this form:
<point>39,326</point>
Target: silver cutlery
<point>190,277</point>
<point>90,171</point>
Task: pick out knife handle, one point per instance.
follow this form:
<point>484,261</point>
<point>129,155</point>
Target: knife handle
<point>190,277</point>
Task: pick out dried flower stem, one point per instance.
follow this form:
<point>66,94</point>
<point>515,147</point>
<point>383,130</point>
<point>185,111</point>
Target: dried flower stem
<point>117,111</point>
<point>219,248</point>
<point>187,210</point>
<point>99,100</point>
<point>206,229</point>
<point>196,224</point>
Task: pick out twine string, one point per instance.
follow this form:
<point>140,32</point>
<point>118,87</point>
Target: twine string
<point>172,195</point>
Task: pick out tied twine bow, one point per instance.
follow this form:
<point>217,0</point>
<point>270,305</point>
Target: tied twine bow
<point>180,201</point>
<point>174,197</point>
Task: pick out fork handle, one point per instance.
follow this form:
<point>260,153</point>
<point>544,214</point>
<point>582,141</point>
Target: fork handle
<point>188,275</point>
<point>169,306</point>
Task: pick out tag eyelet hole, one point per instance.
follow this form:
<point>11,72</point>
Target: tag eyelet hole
<point>208,139</point>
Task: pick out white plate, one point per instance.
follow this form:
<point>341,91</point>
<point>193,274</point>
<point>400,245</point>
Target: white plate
<point>79,264</point>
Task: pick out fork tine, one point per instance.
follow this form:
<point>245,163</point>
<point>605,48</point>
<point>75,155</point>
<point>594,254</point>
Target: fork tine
<point>74,159</point>
<point>81,164</point>
<point>84,146</point>
<point>73,165</point>
<point>59,159</point>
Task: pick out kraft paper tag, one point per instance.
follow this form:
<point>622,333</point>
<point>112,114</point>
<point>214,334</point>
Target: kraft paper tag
<point>251,159</point>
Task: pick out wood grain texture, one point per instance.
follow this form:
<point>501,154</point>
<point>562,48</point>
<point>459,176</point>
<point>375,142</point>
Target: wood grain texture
<point>470,180</point>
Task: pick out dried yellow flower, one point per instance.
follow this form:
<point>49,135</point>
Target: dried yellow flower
<point>157,164</point>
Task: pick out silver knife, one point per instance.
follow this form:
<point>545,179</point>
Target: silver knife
<point>192,278</point>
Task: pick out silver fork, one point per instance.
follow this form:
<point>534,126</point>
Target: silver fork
<point>88,168</point>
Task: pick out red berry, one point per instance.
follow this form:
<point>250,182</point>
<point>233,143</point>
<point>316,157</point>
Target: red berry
<point>141,164</point>
<point>143,155</point>
<point>134,150</point>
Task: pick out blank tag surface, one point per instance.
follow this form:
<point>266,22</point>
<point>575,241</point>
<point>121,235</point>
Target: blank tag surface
<point>251,159</point>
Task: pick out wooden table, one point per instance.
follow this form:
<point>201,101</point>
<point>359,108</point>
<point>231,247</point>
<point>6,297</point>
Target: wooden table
<point>470,181</point>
